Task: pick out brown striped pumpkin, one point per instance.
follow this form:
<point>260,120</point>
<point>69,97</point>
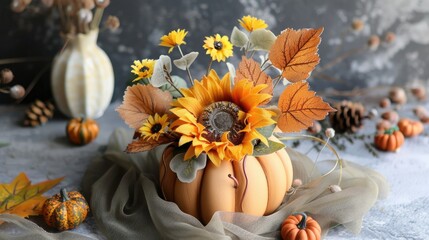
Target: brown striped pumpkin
<point>65,211</point>
<point>82,131</point>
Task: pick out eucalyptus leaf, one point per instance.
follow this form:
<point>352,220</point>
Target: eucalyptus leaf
<point>159,78</point>
<point>178,82</point>
<point>239,38</point>
<point>186,61</point>
<point>262,39</point>
<point>4,144</point>
<point>267,131</point>
<point>231,70</point>
<point>261,149</point>
<point>186,170</point>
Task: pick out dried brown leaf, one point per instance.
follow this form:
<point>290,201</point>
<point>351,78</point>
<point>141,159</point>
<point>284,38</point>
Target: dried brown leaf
<point>295,53</point>
<point>251,70</point>
<point>141,145</point>
<point>299,107</point>
<point>140,101</point>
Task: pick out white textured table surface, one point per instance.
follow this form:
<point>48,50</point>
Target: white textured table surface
<point>44,152</point>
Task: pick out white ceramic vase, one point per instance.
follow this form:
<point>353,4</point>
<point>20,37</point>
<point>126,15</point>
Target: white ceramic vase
<point>82,78</point>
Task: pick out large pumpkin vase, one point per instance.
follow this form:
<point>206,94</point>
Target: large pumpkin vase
<point>82,78</point>
<point>254,185</point>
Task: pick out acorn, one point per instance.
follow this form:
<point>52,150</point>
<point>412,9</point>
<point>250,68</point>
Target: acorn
<point>390,37</point>
<point>419,92</point>
<point>390,116</point>
<point>373,42</point>
<point>383,125</point>
<point>17,91</point>
<point>6,76</point>
<point>112,23</point>
<point>384,103</point>
<point>420,111</point>
<point>358,25</point>
<point>315,128</point>
<point>397,95</point>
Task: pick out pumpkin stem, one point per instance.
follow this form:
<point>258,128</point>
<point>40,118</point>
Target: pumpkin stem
<point>64,195</point>
<point>303,223</point>
<point>234,179</point>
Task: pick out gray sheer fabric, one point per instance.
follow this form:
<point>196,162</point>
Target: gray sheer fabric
<point>126,203</point>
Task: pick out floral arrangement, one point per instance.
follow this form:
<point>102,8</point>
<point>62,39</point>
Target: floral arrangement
<point>224,118</point>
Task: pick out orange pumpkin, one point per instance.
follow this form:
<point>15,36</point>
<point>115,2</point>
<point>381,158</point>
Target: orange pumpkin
<point>254,185</point>
<point>65,210</point>
<point>300,227</point>
<point>410,128</point>
<point>82,131</point>
<point>389,140</point>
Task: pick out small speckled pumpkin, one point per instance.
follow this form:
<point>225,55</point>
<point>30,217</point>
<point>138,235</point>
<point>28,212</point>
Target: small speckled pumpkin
<point>390,140</point>
<point>65,211</point>
<point>300,227</point>
<point>82,131</point>
<point>410,128</point>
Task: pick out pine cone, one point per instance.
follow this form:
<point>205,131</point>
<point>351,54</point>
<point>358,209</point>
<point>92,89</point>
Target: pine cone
<point>348,117</point>
<point>38,113</point>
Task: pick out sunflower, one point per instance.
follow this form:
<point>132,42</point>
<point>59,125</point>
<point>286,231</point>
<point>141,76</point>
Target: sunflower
<point>251,23</point>
<point>218,47</point>
<point>173,39</point>
<point>154,127</point>
<point>143,68</point>
<point>220,121</point>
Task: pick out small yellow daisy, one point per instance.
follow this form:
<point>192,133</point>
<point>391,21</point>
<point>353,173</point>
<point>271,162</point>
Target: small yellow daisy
<point>251,23</point>
<point>173,39</point>
<point>219,48</point>
<point>143,68</point>
<point>154,126</point>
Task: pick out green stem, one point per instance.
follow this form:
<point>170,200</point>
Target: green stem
<point>171,81</point>
<point>303,223</point>
<point>187,69</point>
<point>210,66</point>
<point>64,195</point>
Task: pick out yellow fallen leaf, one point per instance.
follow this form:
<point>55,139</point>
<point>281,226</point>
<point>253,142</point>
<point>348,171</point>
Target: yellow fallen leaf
<point>21,198</point>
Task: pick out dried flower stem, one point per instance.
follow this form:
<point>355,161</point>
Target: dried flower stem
<point>277,79</point>
<point>187,69</point>
<point>209,67</point>
<point>170,80</point>
<point>34,82</point>
<point>341,57</point>
<point>24,60</point>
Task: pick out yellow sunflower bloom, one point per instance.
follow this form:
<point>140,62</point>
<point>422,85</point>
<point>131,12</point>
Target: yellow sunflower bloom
<point>219,48</point>
<point>221,121</point>
<point>154,127</point>
<point>173,39</point>
<point>143,68</point>
<point>251,23</point>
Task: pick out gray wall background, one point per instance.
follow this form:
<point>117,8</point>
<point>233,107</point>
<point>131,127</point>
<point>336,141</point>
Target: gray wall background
<point>402,62</point>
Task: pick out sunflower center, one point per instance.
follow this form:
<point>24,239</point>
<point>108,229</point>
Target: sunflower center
<point>144,69</point>
<point>156,128</point>
<point>218,45</point>
<point>221,117</point>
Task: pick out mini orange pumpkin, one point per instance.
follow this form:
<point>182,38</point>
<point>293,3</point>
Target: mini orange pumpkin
<point>390,140</point>
<point>300,227</point>
<point>254,185</point>
<point>410,128</point>
<point>82,131</point>
<point>65,211</point>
